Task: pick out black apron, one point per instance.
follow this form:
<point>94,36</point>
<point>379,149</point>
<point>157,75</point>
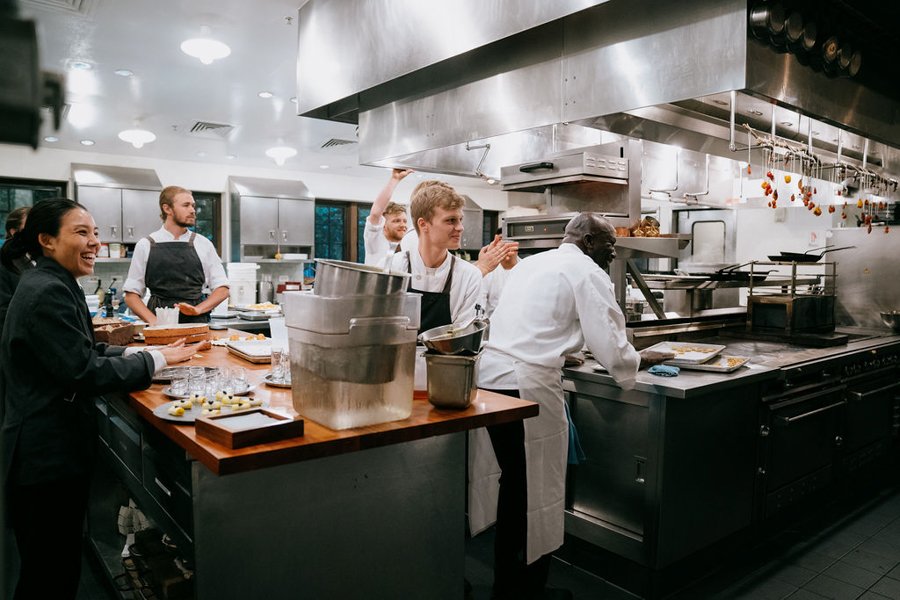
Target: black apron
<point>175,274</point>
<point>435,308</point>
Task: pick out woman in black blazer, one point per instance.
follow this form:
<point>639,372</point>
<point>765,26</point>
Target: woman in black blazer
<point>51,369</point>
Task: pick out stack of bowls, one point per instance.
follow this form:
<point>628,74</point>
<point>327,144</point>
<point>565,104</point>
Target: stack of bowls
<point>452,363</point>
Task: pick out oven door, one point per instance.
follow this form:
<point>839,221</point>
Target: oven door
<point>800,436</point>
<point>871,409</point>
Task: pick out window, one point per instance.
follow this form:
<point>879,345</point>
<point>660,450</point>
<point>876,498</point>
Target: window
<point>207,205</point>
<point>25,192</point>
<point>331,230</point>
<point>362,213</point>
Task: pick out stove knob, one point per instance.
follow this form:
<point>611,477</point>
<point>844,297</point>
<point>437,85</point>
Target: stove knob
<point>763,431</point>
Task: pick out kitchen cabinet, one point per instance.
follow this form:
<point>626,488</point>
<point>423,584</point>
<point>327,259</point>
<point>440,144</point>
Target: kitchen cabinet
<point>121,215</point>
<point>269,221</point>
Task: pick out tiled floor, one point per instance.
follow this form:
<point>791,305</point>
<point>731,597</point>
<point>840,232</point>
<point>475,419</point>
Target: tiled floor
<point>843,552</point>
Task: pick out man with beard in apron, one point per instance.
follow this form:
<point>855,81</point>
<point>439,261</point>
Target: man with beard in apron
<point>449,286</point>
<point>552,304</point>
<point>176,265</point>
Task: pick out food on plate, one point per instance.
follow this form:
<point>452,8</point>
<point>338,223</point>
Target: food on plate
<point>647,227</point>
<point>263,306</point>
<point>176,410</point>
<point>732,361</point>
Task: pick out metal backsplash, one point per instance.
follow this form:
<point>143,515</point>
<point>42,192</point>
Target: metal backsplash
<point>867,279</point>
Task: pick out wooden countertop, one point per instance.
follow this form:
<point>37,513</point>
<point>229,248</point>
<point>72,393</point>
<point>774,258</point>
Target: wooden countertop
<point>319,441</point>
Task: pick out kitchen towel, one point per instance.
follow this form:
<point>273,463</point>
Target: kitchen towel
<point>664,370</point>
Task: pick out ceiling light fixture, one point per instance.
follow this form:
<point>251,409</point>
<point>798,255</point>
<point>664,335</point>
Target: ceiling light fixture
<point>204,48</point>
<point>80,65</point>
<point>280,154</point>
<point>201,154</point>
<point>323,166</point>
<point>264,94</point>
<point>137,137</point>
<point>87,142</point>
<point>124,72</point>
<point>51,139</point>
<point>230,156</point>
<point>294,99</point>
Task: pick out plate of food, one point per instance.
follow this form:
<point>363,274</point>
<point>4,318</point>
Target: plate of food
<point>688,352</point>
<point>243,390</point>
<point>722,363</point>
<point>187,410</point>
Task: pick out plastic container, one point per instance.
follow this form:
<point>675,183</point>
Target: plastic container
<point>352,359</point>
<point>451,380</point>
<point>242,271</point>
<point>242,292</point>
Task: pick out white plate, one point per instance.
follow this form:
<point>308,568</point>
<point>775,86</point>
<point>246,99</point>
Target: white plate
<point>278,384</point>
<point>168,392</point>
<point>189,416</point>
<point>720,364</point>
<point>688,352</point>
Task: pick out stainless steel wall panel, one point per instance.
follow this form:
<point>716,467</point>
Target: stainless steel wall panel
<point>345,46</point>
<point>627,55</point>
<point>867,281</point>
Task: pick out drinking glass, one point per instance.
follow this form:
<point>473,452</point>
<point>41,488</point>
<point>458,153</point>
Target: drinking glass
<point>285,366</point>
<point>277,363</point>
<point>236,380</point>
<point>213,383</point>
<point>179,383</point>
<point>197,380</point>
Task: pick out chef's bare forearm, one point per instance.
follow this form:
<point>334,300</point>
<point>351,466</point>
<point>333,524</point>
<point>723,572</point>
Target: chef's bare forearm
<point>137,306</point>
<point>215,298</point>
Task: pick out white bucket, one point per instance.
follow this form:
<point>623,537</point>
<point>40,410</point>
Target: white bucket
<point>242,292</point>
<point>242,271</point>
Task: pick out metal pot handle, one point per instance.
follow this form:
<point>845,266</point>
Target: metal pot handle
<point>536,166</point>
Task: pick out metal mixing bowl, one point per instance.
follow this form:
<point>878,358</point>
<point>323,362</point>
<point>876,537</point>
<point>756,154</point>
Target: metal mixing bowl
<point>449,339</point>
<point>337,278</point>
<point>891,318</point>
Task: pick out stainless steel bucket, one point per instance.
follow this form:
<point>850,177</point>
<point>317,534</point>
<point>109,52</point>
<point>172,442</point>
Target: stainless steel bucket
<point>451,380</point>
<point>336,278</point>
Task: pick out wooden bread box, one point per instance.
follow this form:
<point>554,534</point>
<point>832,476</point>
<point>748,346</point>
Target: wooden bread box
<point>191,332</point>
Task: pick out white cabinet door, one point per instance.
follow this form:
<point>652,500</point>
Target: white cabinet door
<point>105,205</point>
<point>296,222</point>
<point>140,214</point>
<point>259,220</point>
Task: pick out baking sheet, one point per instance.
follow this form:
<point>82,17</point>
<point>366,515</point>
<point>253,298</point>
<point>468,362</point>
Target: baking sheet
<point>688,352</point>
<point>189,416</point>
<point>722,363</point>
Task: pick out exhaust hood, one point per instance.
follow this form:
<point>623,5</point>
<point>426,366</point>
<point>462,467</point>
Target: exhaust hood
<point>115,177</point>
<point>541,82</point>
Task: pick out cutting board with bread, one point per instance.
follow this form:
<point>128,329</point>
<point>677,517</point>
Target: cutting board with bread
<point>166,334</point>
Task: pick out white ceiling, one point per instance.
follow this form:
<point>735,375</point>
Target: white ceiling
<point>170,91</point>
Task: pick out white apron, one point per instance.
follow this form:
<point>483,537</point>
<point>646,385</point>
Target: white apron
<point>546,448</point>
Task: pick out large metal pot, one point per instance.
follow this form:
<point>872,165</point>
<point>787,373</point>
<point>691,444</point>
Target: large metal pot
<point>449,339</point>
<point>337,278</point>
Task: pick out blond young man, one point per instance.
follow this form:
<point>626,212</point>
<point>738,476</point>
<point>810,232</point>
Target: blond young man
<point>386,224</point>
<point>176,265</point>
<point>449,286</point>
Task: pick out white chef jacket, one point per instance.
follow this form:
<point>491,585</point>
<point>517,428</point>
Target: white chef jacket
<point>553,304</point>
<point>464,289</point>
<point>378,248</point>
<point>491,286</point>
<point>213,271</point>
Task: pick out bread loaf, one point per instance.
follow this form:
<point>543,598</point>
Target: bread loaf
<point>160,336</point>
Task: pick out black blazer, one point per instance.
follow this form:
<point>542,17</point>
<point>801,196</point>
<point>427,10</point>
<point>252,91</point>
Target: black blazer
<point>52,369</point>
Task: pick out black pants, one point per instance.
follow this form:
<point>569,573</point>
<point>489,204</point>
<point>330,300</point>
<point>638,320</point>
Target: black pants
<point>513,578</point>
<point>48,521</point>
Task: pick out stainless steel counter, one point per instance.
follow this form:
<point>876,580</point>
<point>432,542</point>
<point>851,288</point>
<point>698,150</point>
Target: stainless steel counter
<point>767,359</point>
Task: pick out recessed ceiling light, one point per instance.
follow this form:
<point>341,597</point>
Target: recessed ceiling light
<point>264,94</point>
<point>758,113</point>
<point>205,49</point>
<point>323,166</point>
<point>137,137</point>
<point>87,142</point>
<point>51,138</point>
<point>201,154</point>
<point>281,153</point>
<point>124,72</point>
<point>230,156</point>
<point>80,65</point>
<point>294,99</point>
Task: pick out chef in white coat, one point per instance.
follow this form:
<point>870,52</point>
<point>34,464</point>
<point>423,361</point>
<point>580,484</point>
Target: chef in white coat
<point>553,304</point>
<point>386,224</point>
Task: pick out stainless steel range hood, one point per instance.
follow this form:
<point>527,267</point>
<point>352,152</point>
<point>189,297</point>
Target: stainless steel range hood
<point>650,69</point>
